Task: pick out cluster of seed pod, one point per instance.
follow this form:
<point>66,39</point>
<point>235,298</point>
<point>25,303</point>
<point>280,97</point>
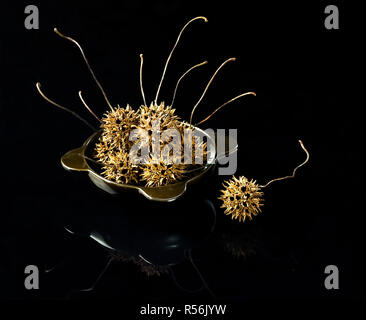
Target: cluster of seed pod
<point>113,146</point>
<point>241,198</point>
<point>112,150</point>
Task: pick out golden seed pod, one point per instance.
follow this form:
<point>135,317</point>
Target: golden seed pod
<point>241,198</point>
<point>164,117</point>
<point>102,150</point>
<point>116,126</point>
<point>160,173</point>
<point>118,168</point>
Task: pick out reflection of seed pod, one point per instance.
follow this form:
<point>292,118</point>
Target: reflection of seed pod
<point>241,198</point>
<point>240,245</point>
<point>147,268</point>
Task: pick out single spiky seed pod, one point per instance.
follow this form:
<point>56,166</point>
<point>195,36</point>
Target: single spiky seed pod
<point>116,126</point>
<point>164,115</point>
<point>241,198</point>
<point>119,169</point>
<point>161,174</point>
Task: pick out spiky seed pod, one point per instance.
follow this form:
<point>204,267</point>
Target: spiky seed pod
<point>113,146</point>
<point>161,174</point>
<point>116,126</point>
<point>102,150</point>
<point>164,115</point>
<point>119,169</point>
<point>241,198</point>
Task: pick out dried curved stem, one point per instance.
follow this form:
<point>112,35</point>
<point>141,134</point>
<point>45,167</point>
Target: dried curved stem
<point>224,104</point>
<point>171,53</point>
<point>293,173</point>
<point>89,109</point>
<point>208,84</point>
<point>141,87</point>
<point>183,75</point>
<point>38,85</point>
<point>87,63</point>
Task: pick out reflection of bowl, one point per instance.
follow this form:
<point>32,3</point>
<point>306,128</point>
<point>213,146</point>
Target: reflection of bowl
<point>159,239</point>
<point>76,160</point>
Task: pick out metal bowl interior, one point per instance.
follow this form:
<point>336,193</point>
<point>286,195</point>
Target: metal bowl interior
<point>77,160</point>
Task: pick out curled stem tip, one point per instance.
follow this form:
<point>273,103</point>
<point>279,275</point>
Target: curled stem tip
<point>223,105</point>
<point>141,87</point>
<point>200,17</point>
<point>87,107</point>
<point>183,75</point>
<point>171,52</point>
<point>207,86</point>
<point>38,85</point>
<point>87,63</point>
<point>294,172</point>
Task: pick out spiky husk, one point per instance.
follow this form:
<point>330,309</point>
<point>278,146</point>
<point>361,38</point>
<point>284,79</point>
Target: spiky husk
<point>241,198</point>
<point>116,126</point>
<point>113,146</point>
<point>118,168</point>
<point>158,173</point>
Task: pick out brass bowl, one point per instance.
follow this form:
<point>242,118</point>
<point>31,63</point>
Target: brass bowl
<point>76,160</point>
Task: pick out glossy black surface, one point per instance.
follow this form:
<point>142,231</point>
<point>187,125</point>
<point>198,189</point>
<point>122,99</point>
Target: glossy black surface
<point>160,238</point>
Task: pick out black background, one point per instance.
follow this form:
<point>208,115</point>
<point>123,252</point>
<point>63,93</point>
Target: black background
<point>300,72</point>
